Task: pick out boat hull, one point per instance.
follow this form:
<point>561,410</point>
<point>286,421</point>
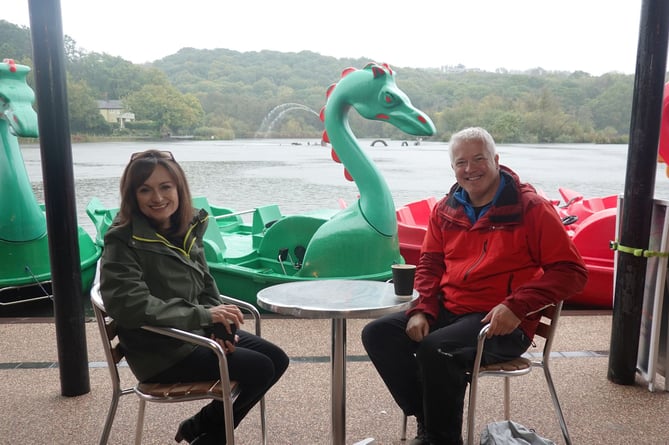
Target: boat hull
<point>25,269</point>
<point>246,257</point>
<point>245,281</point>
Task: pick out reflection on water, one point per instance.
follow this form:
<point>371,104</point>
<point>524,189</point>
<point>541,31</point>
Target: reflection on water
<point>243,174</point>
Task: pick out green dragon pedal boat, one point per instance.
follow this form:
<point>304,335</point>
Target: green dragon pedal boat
<point>25,270</point>
<point>357,242</point>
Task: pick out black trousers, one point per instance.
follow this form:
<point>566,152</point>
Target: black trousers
<point>256,364</point>
<point>428,379</point>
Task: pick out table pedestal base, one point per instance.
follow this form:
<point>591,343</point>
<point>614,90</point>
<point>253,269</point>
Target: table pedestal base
<point>337,300</point>
<point>338,393</point>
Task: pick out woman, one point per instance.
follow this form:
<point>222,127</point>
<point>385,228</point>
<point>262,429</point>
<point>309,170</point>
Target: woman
<point>153,272</point>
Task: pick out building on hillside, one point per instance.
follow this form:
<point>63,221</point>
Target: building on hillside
<point>113,112</point>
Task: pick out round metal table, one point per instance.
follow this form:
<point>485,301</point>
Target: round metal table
<point>337,300</point>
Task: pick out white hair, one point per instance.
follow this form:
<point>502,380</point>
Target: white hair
<point>473,134</point>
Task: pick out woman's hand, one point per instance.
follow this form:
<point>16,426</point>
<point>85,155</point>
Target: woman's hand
<point>227,313</point>
<point>228,346</point>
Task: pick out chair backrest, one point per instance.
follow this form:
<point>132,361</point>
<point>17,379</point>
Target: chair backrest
<point>517,367</point>
<point>108,333</point>
<point>548,325</point>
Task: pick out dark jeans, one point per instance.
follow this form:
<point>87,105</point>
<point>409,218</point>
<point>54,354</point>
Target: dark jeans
<point>428,379</point>
<point>256,364</point>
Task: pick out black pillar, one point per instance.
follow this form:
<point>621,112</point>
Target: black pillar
<point>61,210</point>
<point>639,189</point>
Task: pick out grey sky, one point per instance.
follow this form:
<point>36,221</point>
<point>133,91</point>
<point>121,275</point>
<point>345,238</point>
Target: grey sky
<point>596,36</point>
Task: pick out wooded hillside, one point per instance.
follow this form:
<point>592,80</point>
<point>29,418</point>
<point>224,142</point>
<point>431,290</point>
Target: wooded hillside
<point>228,94</point>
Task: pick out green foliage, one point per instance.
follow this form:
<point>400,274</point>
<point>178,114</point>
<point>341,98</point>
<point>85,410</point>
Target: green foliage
<point>214,133</point>
<point>174,112</point>
<point>108,77</point>
<point>224,94</point>
<point>15,42</point>
<point>143,128</point>
<point>83,110</point>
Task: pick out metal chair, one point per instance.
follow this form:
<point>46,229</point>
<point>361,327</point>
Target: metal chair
<point>514,368</point>
<point>222,389</point>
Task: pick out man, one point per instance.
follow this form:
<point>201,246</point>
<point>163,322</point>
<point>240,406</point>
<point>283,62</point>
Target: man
<point>495,252</point>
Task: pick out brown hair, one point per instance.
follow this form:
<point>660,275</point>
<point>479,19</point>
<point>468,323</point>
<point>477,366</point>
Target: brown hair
<point>138,170</point>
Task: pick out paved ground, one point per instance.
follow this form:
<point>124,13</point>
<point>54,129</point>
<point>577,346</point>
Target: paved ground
<point>597,411</point>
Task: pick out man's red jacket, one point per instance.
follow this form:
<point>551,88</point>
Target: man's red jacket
<point>517,253</point>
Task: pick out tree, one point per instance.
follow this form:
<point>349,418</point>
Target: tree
<point>612,108</point>
<point>236,90</point>
<point>109,77</point>
<point>84,114</point>
<point>15,42</point>
<point>172,111</point>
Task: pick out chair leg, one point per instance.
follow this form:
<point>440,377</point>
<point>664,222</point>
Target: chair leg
<point>507,398</point>
<point>228,422</point>
<point>471,410</point>
<point>110,419</point>
<point>556,405</point>
<point>263,425</point>
<point>140,421</point>
<point>403,432</point>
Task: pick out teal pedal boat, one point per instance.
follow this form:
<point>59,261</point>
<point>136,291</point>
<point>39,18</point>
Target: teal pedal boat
<point>356,242</point>
<point>25,270</point>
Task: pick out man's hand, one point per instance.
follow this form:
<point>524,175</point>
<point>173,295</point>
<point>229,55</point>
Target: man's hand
<point>502,321</point>
<point>417,326</point>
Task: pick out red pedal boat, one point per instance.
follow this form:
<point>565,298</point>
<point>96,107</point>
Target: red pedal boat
<point>590,222</point>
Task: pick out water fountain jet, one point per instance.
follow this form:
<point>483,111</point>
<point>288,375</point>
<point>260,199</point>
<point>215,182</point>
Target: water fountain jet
<point>276,114</point>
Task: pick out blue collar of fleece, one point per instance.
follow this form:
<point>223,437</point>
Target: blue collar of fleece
<point>463,198</point>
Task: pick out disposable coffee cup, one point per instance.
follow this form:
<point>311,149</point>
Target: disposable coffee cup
<point>403,275</point>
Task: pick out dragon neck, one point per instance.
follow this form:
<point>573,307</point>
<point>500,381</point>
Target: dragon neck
<point>21,218</point>
<point>376,201</point>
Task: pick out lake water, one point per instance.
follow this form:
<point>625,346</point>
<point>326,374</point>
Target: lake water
<point>243,174</point>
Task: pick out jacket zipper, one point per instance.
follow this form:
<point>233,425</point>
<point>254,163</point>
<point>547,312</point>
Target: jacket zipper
<point>478,260</point>
<point>161,240</point>
<point>185,251</point>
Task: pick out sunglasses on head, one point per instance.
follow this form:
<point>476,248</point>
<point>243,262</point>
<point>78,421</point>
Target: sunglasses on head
<point>152,154</point>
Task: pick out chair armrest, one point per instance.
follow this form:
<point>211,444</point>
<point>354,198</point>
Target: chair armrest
<point>200,340</point>
<point>482,333</point>
<point>186,336</point>
<point>479,349</point>
<point>244,306</point>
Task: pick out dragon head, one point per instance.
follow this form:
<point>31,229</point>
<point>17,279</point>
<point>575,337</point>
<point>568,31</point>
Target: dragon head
<point>373,93</point>
<point>16,99</point>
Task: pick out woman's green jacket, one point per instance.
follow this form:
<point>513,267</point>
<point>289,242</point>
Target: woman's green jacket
<point>145,280</point>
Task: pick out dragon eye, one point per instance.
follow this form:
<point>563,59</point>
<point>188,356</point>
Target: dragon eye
<point>389,99</point>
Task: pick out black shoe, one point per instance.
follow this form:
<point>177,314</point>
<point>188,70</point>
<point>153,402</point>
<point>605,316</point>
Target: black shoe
<point>208,439</point>
<point>188,430</point>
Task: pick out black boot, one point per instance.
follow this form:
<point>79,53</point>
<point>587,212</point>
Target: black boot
<point>188,430</point>
<point>209,439</point>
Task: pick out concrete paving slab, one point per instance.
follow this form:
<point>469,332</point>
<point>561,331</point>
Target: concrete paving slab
<point>298,408</point>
